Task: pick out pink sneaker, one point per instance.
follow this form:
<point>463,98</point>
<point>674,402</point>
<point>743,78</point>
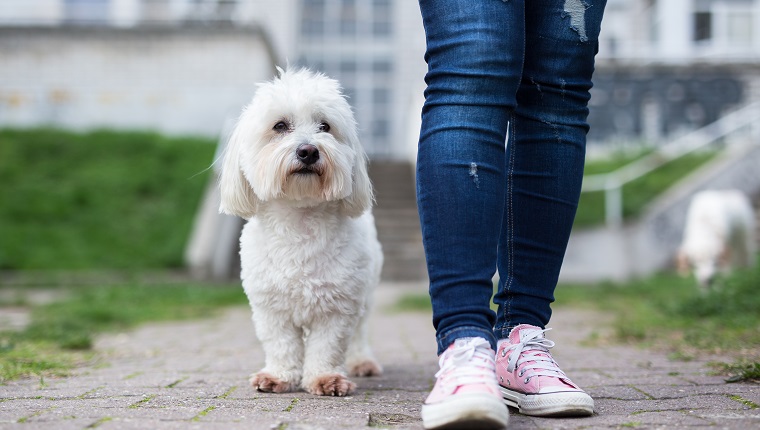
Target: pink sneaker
<point>530,379</point>
<point>466,394</point>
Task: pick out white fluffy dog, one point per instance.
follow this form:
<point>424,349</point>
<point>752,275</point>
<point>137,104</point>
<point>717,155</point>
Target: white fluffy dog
<point>719,234</point>
<point>310,255</point>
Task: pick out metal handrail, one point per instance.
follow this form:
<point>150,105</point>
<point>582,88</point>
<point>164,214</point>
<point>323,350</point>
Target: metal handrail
<point>612,183</point>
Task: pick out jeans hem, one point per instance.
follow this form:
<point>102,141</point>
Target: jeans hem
<point>446,339</point>
<point>503,332</point>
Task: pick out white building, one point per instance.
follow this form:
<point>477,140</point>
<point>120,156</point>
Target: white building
<point>376,47</point>
<point>119,13</point>
<point>681,31</point>
<point>661,30</point>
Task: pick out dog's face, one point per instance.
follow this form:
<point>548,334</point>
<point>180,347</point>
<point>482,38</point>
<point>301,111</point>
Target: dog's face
<point>296,141</point>
<point>705,269</point>
<point>704,263</point>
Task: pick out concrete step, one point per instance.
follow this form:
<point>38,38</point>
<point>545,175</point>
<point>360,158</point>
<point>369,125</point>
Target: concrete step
<point>398,225</point>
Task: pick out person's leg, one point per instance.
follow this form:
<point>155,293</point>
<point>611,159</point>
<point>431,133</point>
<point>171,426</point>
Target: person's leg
<point>474,55</point>
<point>545,157</point>
<point>544,164</point>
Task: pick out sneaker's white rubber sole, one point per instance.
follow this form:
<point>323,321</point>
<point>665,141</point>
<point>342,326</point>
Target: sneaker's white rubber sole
<point>466,412</point>
<point>560,404</point>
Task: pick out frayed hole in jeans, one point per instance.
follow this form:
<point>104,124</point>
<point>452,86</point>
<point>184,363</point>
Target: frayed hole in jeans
<point>474,174</point>
<point>577,11</point>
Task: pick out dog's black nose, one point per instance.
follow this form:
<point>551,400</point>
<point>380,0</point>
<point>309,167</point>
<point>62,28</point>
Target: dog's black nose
<point>307,154</point>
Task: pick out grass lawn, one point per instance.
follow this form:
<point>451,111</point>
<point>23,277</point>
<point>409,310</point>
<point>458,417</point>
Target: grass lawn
<point>669,313</point>
<point>98,200</point>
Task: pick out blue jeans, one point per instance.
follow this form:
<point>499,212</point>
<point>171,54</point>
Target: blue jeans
<point>521,67</point>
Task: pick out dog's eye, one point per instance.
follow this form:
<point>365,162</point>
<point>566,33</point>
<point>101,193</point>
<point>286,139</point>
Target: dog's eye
<point>324,127</point>
<point>281,126</point>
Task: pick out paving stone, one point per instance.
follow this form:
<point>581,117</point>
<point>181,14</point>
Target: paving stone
<point>194,375</point>
<point>616,392</point>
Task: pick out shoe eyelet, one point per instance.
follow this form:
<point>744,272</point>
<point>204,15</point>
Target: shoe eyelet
<point>527,380</point>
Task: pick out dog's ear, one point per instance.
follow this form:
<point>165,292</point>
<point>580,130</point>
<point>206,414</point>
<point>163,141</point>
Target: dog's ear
<point>682,263</point>
<point>362,196</point>
<point>237,196</point>
<point>725,256</point>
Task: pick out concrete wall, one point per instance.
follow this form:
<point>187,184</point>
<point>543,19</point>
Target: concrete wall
<point>648,245</point>
<point>177,80</point>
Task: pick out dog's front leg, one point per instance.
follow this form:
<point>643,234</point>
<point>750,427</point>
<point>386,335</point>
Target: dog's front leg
<point>360,360</point>
<point>283,348</point>
<point>326,344</point>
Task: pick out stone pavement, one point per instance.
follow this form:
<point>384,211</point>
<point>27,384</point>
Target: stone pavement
<point>188,375</point>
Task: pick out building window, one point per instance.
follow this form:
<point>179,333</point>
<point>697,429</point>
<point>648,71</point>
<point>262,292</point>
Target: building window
<point>347,18</point>
<point>380,130</point>
<point>86,11</point>
<point>366,76</point>
<point>351,95</point>
<point>382,68</point>
<point>348,68</point>
<point>702,26</point>
<point>381,98</point>
<point>381,18</point>
<point>313,21</point>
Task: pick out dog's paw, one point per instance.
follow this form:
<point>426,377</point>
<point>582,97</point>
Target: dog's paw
<point>267,383</point>
<point>331,385</point>
<point>366,367</point>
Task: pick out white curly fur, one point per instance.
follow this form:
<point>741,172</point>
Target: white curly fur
<point>309,252</point>
<point>719,234</point>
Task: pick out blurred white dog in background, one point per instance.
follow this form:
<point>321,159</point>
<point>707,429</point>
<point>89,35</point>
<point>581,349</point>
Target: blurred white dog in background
<point>719,235</point>
<point>309,253</point>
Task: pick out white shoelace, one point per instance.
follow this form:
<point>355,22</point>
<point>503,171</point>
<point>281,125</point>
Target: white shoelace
<point>472,361</point>
<point>533,348</point>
